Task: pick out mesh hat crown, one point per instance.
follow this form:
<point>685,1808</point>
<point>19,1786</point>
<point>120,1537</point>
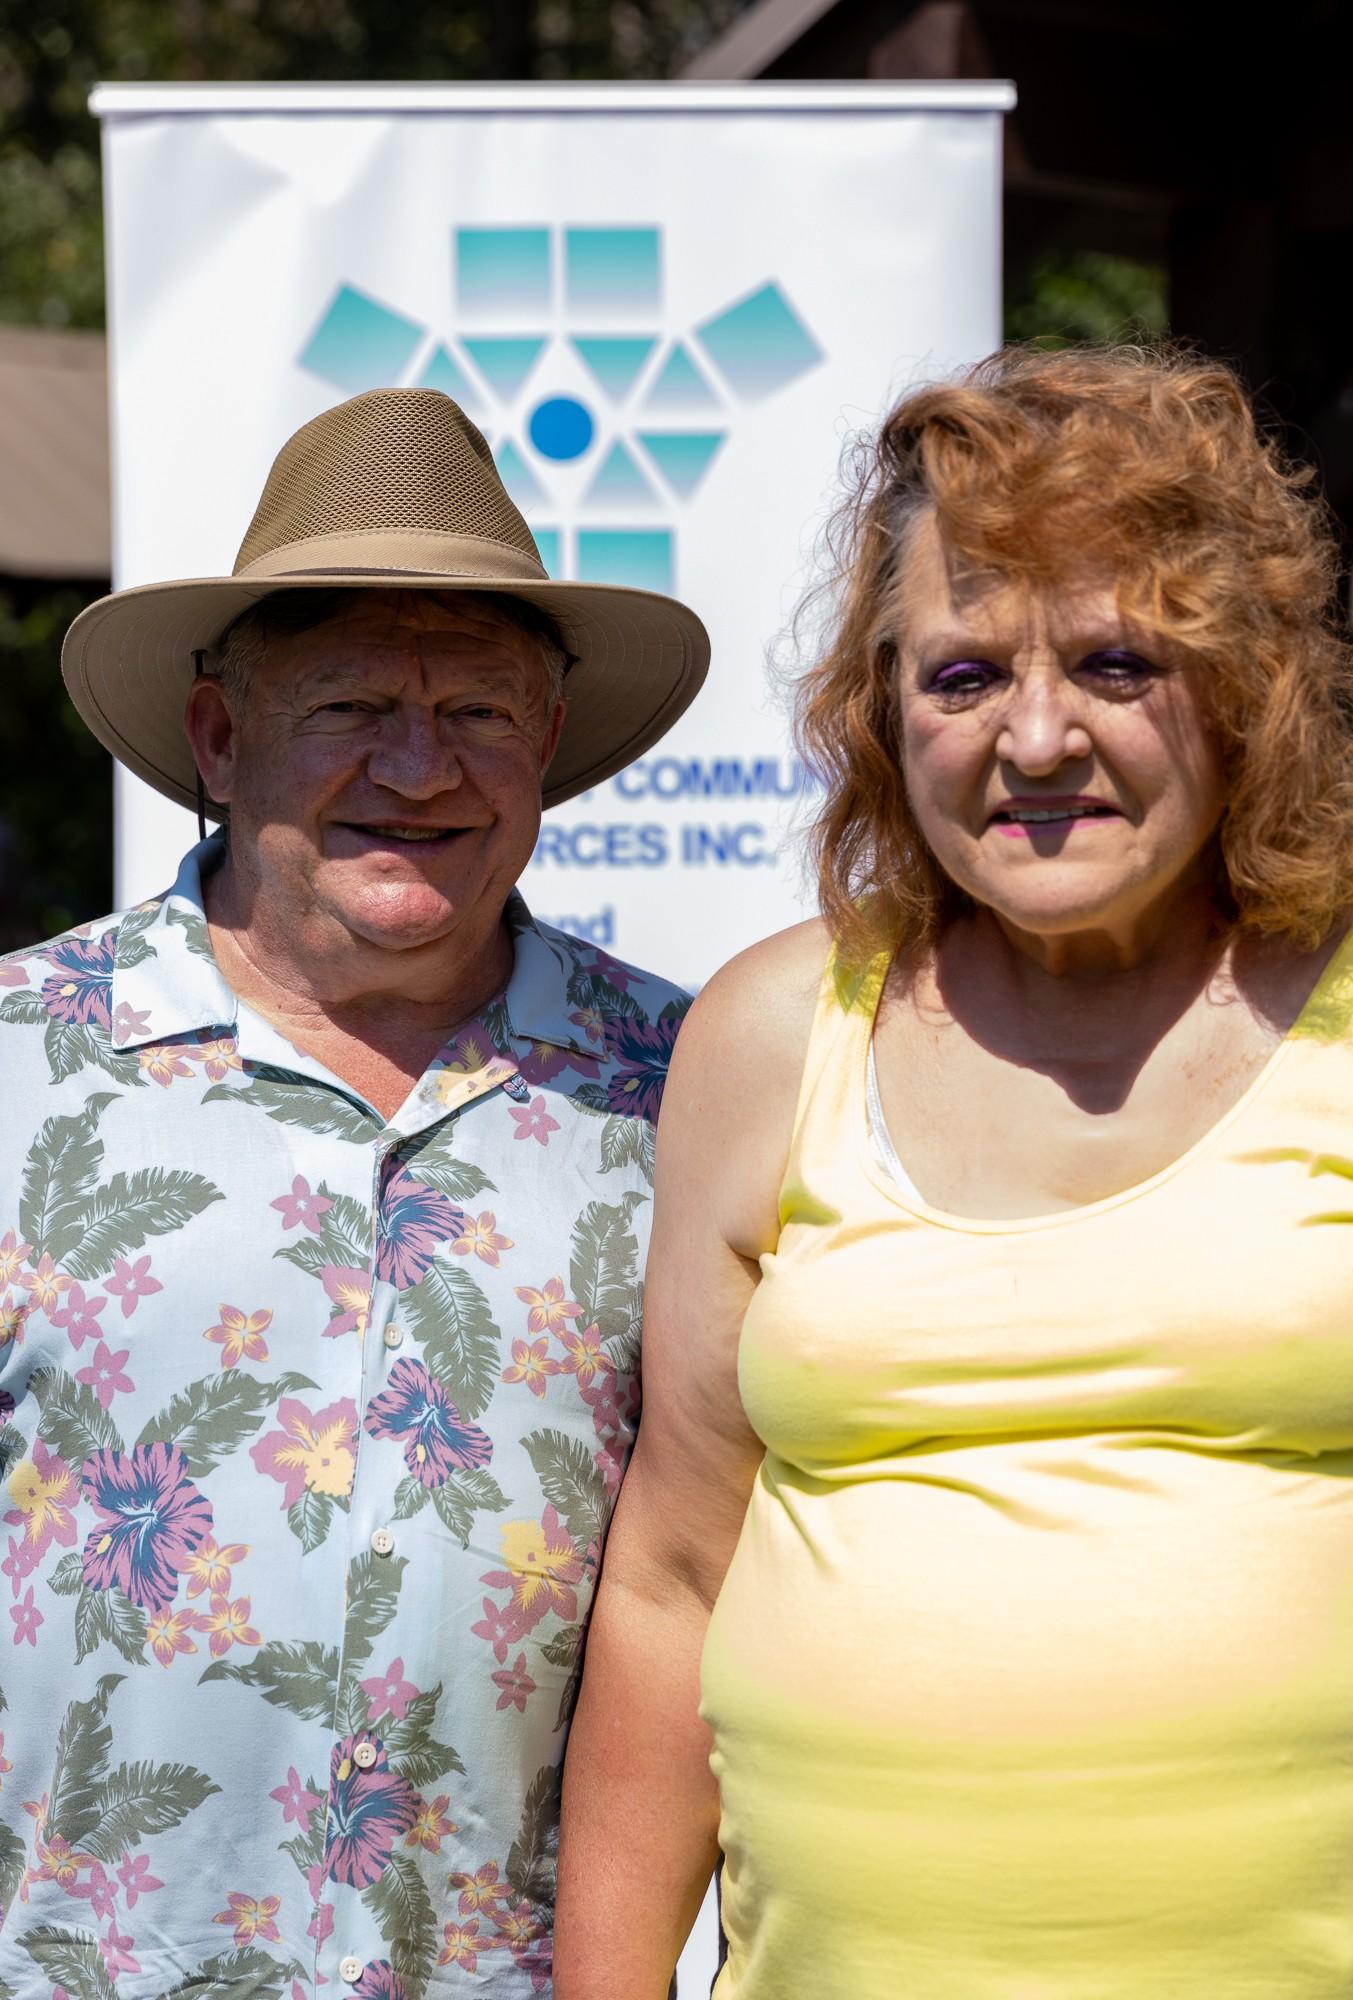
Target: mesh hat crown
<point>394,489</point>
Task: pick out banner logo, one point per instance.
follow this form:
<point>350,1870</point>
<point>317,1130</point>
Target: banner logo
<point>603,422</point>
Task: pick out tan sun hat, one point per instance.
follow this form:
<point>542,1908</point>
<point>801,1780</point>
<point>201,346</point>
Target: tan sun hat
<point>395,489</point>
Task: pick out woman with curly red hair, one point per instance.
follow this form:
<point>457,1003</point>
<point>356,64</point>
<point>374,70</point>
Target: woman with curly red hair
<point>998,1363</point>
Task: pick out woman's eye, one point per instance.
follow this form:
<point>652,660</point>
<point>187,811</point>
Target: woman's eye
<point>962,677</point>
<point>1112,664</point>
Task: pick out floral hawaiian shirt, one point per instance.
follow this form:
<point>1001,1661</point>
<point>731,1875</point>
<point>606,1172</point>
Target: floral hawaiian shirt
<point>310,1428</point>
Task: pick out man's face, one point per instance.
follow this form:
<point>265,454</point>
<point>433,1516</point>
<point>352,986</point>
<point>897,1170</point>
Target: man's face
<point>383,769</point>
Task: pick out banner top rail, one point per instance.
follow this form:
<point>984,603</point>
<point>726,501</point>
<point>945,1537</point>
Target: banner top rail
<point>129,100</point>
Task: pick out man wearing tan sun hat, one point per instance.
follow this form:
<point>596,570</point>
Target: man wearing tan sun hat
<point>320,1255</point>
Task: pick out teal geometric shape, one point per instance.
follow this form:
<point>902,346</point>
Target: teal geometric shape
<point>443,372</point>
<point>518,477</point>
<point>680,387</point>
<point>683,457</point>
<point>504,364</point>
<point>615,362</point>
<point>620,482</point>
<point>359,343</point>
<point>503,270</point>
<point>612,268</point>
<point>759,344</point>
<point>547,541</point>
<point>641,558</point>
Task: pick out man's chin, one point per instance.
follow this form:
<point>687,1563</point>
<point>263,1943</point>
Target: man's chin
<point>398,917</point>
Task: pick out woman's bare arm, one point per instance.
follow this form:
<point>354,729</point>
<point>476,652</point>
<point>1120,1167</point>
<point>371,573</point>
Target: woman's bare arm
<point>640,1807</point>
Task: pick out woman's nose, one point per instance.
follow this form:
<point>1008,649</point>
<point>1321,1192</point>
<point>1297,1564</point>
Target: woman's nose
<point>1042,728</point>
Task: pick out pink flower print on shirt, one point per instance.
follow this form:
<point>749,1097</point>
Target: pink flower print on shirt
<point>315,1449</point>
<point>414,1222</point>
<point>129,1021</point>
<point>369,1810</point>
<point>169,1633</point>
<point>162,1062</point>
<point>44,1489</point>
<point>217,1054</point>
<point>584,1355</point>
<point>481,1892</point>
<point>5,1766</point>
<point>240,1335</point>
<point>250,1916</point>
<point>515,1684</point>
<point>116,1952</point>
<point>12,1255</point>
<point>209,1568</point>
<point>131,1283</point>
<point>549,1309</point>
<point>106,1374</point>
<point>533,1121</point>
<point>592,1022</point>
<point>228,1625</point>
<point>27,1618</point>
<point>101,1892</point>
<point>301,1206</point>
<point>541,1566</point>
<point>78,1316</point>
<point>154,1518</point>
<point>298,1803</point>
<point>530,1364</point>
<point>350,1290</point>
<point>379,1981</point>
<point>481,1238</point>
<point>19,1564</point>
<point>136,1878</point>
<point>13,975</point>
<point>500,1627</point>
<point>12,1317</point>
<point>46,1283</point>
<point>432,1826</point>
<point>462,1945</point>
<point>389,1693</point>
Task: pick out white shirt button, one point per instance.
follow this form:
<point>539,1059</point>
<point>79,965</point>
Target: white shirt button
<point>364,1756</point>
<point>382,1541</point>
<point>394,1335</point>
<point>351,1970</point>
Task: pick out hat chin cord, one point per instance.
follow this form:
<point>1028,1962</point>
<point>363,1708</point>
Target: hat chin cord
<point>198,671</point>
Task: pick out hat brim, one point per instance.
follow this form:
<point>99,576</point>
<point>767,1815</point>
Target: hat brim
<point>128,664</point>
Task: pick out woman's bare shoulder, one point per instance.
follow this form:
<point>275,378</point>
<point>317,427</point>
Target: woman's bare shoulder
<point>763,1000</point>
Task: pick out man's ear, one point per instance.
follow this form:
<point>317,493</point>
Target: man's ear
<point>551,739</point>
<point>212,736</point>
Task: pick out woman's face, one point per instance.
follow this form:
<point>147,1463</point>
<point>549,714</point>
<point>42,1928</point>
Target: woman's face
<point>1058,762</point>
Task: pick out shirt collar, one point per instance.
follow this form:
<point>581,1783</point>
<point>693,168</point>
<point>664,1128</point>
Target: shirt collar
<point>166,981</point>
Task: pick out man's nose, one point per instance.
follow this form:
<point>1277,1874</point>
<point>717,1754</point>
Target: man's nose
<point>1043,727</point>
<point>414,756</point>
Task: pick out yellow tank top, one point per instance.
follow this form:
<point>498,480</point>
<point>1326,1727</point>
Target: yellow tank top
<point>1032,1676</point>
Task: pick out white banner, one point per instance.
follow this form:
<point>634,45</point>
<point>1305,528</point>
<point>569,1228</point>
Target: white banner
<point>666,306</point>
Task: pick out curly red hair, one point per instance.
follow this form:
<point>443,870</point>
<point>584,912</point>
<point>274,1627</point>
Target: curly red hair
<point>1146,466</point>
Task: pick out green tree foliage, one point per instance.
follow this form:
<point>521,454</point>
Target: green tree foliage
<point>1086,295</point>
<point>51,56</point>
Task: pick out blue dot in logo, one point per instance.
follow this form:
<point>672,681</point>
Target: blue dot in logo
<point>561,428</point>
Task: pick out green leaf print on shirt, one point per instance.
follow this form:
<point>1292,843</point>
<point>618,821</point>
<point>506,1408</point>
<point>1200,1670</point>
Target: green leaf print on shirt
<point>459,1180</point>
<point>109,1615</point>
<point>232,1975</point>
<point>211,1418</point>
<point>463,1496</point>
<point>142,1799</point>
<point>82,1745</point>
<point>412,1748</point>
<point>83,1227</point>
<point>403,1909</point>
<point>373,1592</point>
<point>570,1482</point>
<point>626,1142</point>
<point>71,1962</point>
<point>604,1266</point>
<point>301,1677</point>
<point>290,1099</point>
<point>532,1857</point>
<point>462,1344</point>
<point>70,1047</point>
<point>13,1856</point>
<point>74,1421</point>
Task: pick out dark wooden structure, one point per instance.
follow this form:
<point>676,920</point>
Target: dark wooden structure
<point>1215,142</point>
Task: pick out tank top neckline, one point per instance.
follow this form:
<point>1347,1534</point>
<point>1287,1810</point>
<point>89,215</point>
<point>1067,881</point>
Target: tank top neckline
<point>1338,966</point>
